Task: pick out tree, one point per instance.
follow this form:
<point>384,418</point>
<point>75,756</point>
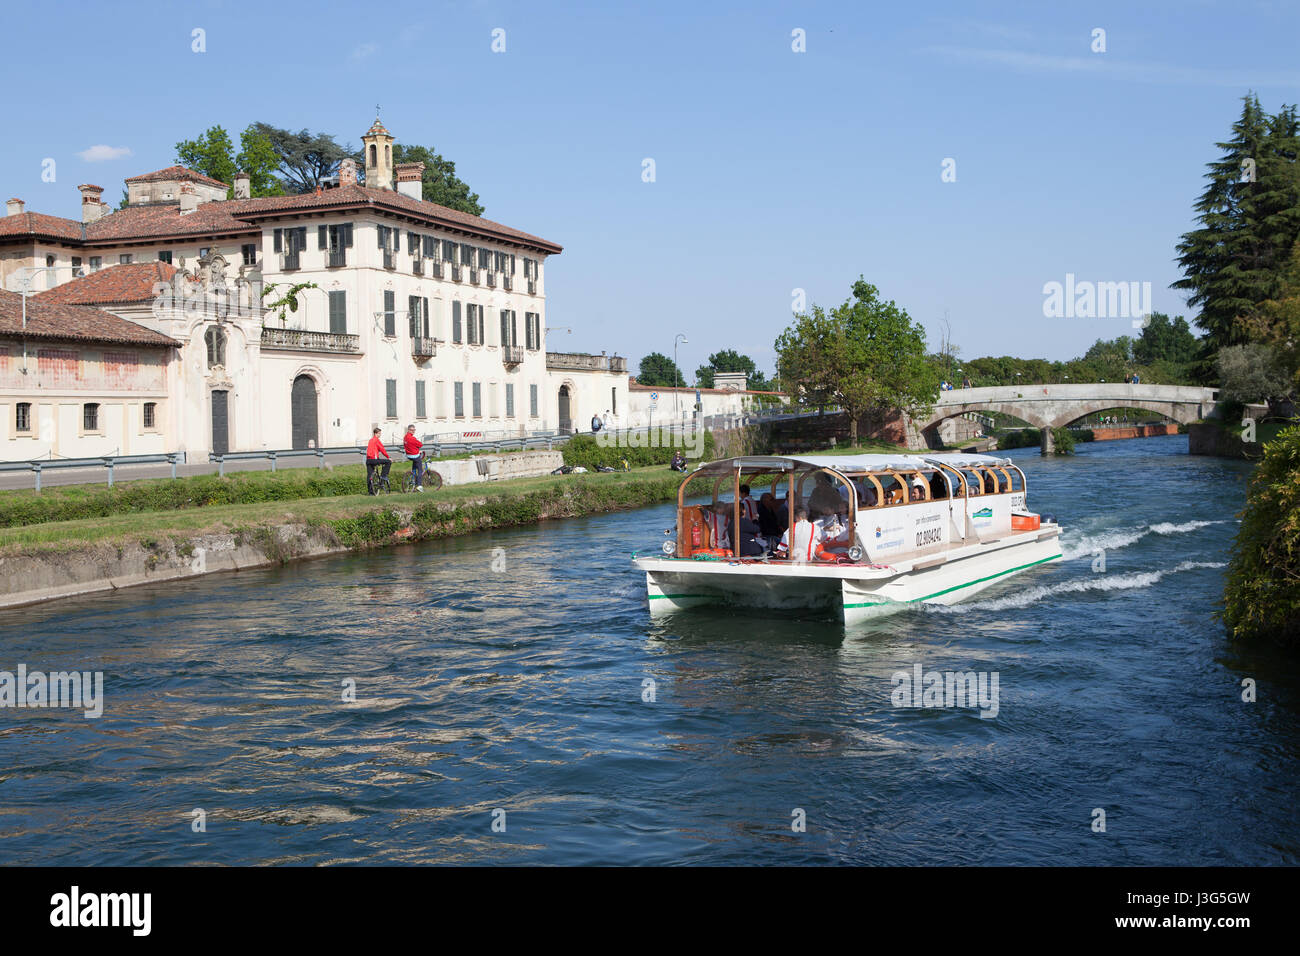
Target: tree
<point>212,155</point>
<point>729,360</point>
<point>1163,340</point>
<point>304,158</point>
<point>1250,219</point>
<point>867,355</point>
<point>440,183</point>
<point>659,370</point>
<point>1253,373</point>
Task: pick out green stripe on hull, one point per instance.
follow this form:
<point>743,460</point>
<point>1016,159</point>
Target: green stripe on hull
<point>678,596</point>
<point>956,587</point>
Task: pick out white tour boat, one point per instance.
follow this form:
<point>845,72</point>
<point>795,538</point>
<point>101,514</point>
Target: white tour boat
<point>890,530</point>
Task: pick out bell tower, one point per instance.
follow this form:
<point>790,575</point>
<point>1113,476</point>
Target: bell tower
<point>378,144</point>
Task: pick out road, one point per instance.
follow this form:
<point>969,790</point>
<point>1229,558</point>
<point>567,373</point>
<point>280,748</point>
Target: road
<point>99,476</point>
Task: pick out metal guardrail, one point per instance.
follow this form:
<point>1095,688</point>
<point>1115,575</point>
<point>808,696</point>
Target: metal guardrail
<point>274,455</point>
<point>105,461</point>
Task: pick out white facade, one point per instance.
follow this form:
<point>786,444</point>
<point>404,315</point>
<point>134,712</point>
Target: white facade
<point>416,315</point>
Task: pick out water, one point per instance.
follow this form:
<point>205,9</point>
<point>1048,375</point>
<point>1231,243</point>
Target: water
<point>521,690</point>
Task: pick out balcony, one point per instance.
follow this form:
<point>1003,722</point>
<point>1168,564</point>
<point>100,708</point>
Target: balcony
<point>511,354</point>
<point>435,270</point>
<point>507,283</point>
<point>301,340</point>
<point>390,259</point>
<point>290,261</point>
<point>423,348</point>
<point>417,267</point>
<point>336,258</point>
<point>532,287</point>
<point>582,362</point>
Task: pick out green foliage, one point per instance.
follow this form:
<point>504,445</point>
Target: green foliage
<point>287,301</point>
<point>200,491</point>
<point>1232,263</point>
<point>729,360</point>
<point>1062,439</point>
<point>440,183</point>
<point>1165,340</point>
<point>304,158</point>
<point>213,155</point>
<point>585,451</point>
<point>657,369</point>
<point>1252,373</point>
<point>1262,592</point>
<point>371,527</point>
<point>867,356</point>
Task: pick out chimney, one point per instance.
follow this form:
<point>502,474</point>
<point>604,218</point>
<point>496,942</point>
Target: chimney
<point>189,199</point>
<point>92,205</point>
<point>14,207</point>
<point>410,179</point>
<point>243,186</point>
<point>348,172</point>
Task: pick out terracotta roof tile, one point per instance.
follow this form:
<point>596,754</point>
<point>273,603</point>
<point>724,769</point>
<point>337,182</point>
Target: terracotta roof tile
<point>39,224</point>
<point>50,320</point>
<point>114,285</point>
<point>164,220</point>
<point>353,196</point>
<point>180,173</point>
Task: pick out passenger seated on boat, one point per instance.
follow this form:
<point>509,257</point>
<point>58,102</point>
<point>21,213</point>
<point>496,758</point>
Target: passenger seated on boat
<point>748,507</point>
<point>867,497</point>
<point>752,544</point>
<point>825,500</point>
<point>938,487</point>
<point>769,522</point>
<point>717,519</point>
<point>1004,484</point>
<point>806,536</point>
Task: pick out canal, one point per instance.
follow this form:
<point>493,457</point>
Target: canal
<point>515,704</point>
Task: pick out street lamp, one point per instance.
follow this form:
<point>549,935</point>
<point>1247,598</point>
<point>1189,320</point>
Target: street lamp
<point>677,375</point>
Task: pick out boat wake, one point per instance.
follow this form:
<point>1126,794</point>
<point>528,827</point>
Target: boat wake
<point>1104,582</point>
<point>1087,545</point>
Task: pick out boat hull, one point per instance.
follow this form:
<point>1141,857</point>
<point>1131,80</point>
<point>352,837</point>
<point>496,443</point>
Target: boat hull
<point>857,593</point>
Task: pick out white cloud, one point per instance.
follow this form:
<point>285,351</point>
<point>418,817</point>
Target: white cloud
<point>1103,64</point>
<point>102,153</point>
<point>363,51</point>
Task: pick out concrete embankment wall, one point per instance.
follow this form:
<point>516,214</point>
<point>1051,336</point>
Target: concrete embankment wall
<point>1211,438</point>
<point>30,577</point>
<point>42,573</point>
<point>483,468</point>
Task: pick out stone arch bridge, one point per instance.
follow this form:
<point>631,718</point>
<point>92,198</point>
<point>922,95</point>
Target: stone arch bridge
<point>1054,406</point>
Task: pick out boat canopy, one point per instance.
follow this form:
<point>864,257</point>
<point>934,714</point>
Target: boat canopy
<point>903,461</point>
<point>957,459</point>
<point>841,463</point>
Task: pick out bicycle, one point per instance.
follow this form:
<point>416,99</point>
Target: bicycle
<point>430,479</point>
<point>377,482</point>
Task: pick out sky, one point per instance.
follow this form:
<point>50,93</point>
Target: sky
<point>960,156</point>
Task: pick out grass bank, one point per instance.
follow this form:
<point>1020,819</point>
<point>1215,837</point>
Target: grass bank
<point>355,517</point>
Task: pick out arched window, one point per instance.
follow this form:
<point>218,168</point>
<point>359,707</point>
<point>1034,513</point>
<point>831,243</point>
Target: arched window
<point>374,155</point>
<point>216,342</point>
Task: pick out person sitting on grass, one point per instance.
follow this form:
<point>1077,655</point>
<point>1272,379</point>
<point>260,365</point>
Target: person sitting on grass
<point>415,454</point>
<point>376,457</point>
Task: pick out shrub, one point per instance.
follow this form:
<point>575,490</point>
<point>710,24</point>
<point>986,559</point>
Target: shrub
<point>1262,594</point>
<point>584,450</point>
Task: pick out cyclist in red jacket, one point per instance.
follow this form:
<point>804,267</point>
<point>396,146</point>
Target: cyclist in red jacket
<point>413,447</point>
<point>376,457</point>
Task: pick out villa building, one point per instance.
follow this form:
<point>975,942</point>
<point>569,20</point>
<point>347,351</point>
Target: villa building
<point>407,312</point>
